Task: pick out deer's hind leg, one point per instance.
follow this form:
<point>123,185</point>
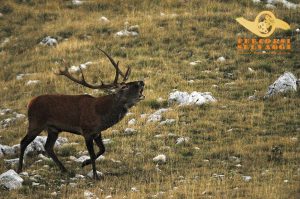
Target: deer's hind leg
<point>51,139</point>
<point>99,142</point>
<point>30,136</point>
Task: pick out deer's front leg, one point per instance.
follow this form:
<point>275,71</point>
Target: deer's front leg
<point>89,145</point>
<point>99,142</point>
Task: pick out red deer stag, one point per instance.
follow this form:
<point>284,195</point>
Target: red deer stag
<point>81,114</point>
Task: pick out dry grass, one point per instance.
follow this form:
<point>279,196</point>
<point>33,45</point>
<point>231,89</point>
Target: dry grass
<point>201,30</point>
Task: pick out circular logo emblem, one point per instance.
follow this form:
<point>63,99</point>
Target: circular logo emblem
<point>265,22</point>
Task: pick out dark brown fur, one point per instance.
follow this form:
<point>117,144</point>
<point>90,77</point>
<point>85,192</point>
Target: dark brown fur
<point>79,114</point>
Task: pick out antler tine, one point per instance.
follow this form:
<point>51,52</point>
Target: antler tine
<point>128,72</point>
<point>116,65</point>
<point>65,72</point>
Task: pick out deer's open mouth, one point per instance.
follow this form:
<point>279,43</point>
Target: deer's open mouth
<point>141,96</point>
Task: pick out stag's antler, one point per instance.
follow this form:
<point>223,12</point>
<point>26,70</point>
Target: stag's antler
<point>115,84</point>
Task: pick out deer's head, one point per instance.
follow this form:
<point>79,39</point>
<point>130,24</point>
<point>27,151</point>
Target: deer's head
<point>129,93</point>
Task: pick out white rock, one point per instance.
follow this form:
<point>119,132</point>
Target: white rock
<point>20,116</point>
<point>168,122</point>
<point>76,69</point>
<point>159,136</point>
<point>134,189</point>
<point>24,173</point>
<point>104,19</point>
<point>107,141</point>
<point>42,157</point>
<point>286,82</point>
<point>89,195</point>
<point>12,162</point>
<point>218,176</point>
<point>160,99</point>
<point>124,33</point>
<point>270,6</point>
<point>247,178</point>
<point>160,158</point>
<point>54,194</point>
<point>49,41</point>
<point>132,122</point>
<point>77,2</point>
<point>194,63</point>
<point>32,82</point>
<point>297,30</point>
<point>256,1</point>
<point>79,176</point>
<point>221,59</point>
<point>129,131</point>
<point>234,159</point>
<point>1,15</point>
<point>250,70</point>
<point>100,158</point>
<point>37,145</point>
<point>108,197</point>
<point>7,122</point>
<point>11,180</point>
<point>82,158</point>
<point>5,111</point>
<point>156,116</point>
<point>90,174</point>
<point>184,98</point>
<point>182,140</point>
<point>7,150</point>
<point>252,97</point>
<point>35,184</point>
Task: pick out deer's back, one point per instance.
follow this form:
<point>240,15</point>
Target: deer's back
<point>61,111</point>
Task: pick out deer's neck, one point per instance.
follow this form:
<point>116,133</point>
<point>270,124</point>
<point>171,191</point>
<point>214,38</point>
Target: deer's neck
<point>111,110</point>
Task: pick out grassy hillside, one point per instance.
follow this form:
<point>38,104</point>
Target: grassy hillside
<point>229,139</point>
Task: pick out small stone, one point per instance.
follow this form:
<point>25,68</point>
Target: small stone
<point>160,158</point>
<point>246,178</point>
<point>89,195</point>
<point>221,59</point>
<point>182,140</point>
<point>32,82</point>
<point>286,82</point>
<point>134,189</point>
<point>132,122</point>
<point>297,30</point>
<point>90,174</point>
<point>54,194</point>
<point>250,70</point>
<point>11,180</point>
<point>24,174</point>
<point>129,131</point>
<point>104,19</point>
<point>12,161</point>
<point>49,41</point>
<point>79,176</point>
<point>35,184</point>
<point>168,122</point>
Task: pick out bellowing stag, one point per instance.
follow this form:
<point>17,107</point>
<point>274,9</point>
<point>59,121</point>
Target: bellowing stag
<point>81,114</point>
